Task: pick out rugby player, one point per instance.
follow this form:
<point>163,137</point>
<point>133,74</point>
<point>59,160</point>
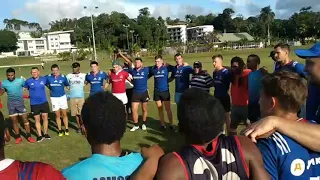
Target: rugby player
<point>15,170</point>
<point>117,78</point>
<point>76,80</point>
<point>283,157</point>
<point>181,74</point>
<point>208,154</point>
<point>161,95</point>
<point>56,82</point>
<point>239,94</point>
<point>14,88</point>
<point>221,77</point>
<point>306,134</point>
<point>96,78</point>
<point>38,101</point>
<point>254,85</point>
<point>104,125</point>
<point>200,78</point>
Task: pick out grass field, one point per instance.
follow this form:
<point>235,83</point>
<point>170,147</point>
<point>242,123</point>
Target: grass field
<point>64,151</point>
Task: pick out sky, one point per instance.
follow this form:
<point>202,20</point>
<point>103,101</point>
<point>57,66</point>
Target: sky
<point>45,11</point>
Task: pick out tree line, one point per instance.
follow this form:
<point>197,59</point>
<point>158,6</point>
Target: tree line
<point>118,30</point>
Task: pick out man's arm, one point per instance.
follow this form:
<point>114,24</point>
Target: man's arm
<point>172,77</point>
<point>125,58</point>
<point>170,167</point>
<point>306,134</point>
<point>253,158</point>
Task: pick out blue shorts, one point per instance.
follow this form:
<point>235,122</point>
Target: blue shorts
<point>16,108</point>
<point>177,97</point>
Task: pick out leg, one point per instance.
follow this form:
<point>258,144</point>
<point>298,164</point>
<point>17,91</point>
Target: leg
<point>144,111</point>
<point>169,112</point>
<point>134,110</point>
<point>65,118</point>
<point>45,122</point>
<point>58,119</point>
<point>26,124</point>
<point>235,120</point>
<point>38,124</point>
<point>160,112</point>
<point>15,123</point>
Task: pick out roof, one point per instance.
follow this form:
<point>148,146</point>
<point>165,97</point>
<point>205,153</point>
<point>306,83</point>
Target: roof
<point>234,37</point>
<point>59,32</point>
<point>204,26</point>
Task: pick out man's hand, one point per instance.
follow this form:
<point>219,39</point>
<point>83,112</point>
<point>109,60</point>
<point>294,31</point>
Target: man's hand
<point>185,64</point>
<point>154,151</point>
<point>261,129</point>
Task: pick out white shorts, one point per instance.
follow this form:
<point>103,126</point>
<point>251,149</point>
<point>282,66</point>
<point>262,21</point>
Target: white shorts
<point>122,97</point>
<point>58,103</point>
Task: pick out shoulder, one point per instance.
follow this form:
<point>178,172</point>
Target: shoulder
<point>75,168</point>
<point>225,70</point>
<point>88,74</point>
<point>249,149</point>
<point>62,75</point>
<point>276,143</point>
<point>46,170</point>
<point>171,165</point>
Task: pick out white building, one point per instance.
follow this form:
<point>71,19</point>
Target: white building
<point>177,33</point>
<point>59,41</point>
<point>52,42</point>
<point>198,32</point>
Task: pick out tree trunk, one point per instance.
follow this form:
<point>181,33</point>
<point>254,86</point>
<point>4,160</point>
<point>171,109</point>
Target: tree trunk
<point>269,35</point>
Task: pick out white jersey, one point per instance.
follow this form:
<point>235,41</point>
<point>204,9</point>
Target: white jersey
<point>76,82</point>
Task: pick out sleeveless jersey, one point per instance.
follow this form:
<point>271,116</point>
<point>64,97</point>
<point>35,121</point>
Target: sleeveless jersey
<point>17,170</point>
<point>225,161</point>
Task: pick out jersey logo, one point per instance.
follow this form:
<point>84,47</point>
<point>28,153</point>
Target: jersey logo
<point>142,73</point>
<point>121,77</point>
<point>138,74</point>
<point>41,82</point>
<point>94,78</point>
<point>31,84</point>
<point>281,143</point>
<point>99,78</point>
<point>158,72</point>
<point>297,167</point>
<point>60,81</point>
<point>294,63</point>
<point>162,72</point>
<point>55,81</point>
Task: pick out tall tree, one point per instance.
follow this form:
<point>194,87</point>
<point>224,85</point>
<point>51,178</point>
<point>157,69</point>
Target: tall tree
<point>8,41</point>
<point>267,17</point>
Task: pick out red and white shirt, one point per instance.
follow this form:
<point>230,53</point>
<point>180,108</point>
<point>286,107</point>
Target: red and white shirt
<point>118,81</point>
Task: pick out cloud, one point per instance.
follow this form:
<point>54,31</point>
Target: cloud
<point>285,8</point>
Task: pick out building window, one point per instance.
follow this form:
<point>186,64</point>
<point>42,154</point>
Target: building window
<point>56,39</point>
<point>40,47</point>
<point>29,41</point>
<point>39,42</point>
<point>30,47</point>
<point>51,39</point>
<point>19,41</point>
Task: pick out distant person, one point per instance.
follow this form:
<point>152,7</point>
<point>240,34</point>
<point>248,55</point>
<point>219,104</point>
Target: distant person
<point>283,157</point>
<point>207,154</point>
<point>16,170</point>
<point>38,101</point>
<point>161,96</point>
<point>200,78</point>
<point>76,80</point>
<point>239,93</point>
<point>42,65</point>
<point>14,88</point>
<point>104,122</point>
<point>181,73</point>
<point>222,79</point>
<point>57,83</point>
<point>254,86</point>
<point>273,57</point>
<point>96,78</point>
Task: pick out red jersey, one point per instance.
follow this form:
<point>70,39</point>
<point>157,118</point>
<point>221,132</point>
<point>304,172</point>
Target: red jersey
<point>240,93</point>
<point>17,170</point>
<point>118,81</point>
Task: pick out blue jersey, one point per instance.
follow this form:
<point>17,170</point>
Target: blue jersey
<point>182,77</point>
<point>37,90</point>
<point>140,79</point>
<point>313,103</point>
<point>57,84</point>
<point>14,89</point>
<point>161,74</point>
<point>96,81</point>
<point>104,167</point>
<point>221,82</point>
<point>293,66</point>
<point>255,78</point>
<point>285,159</point>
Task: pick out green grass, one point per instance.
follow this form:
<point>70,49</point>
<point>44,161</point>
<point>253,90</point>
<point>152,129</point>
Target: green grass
<point>62,152</point>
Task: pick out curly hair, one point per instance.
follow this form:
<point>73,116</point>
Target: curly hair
<point>201,116</point>
<point>241,67</point>
<point>104,118</point>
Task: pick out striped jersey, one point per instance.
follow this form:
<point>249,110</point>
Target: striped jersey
<point>202,81</point>
<point>224,160</point>
<point>17,170</point>
<point>285,159</point>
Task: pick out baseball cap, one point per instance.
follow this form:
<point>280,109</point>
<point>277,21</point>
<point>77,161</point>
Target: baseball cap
<point>116,62</point>
<point>75,65</point>
<point>314,51</point>
<point>272,54</point>
<point>197,64</point>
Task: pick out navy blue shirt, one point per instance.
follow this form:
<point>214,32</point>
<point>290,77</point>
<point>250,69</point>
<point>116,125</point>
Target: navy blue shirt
<point>57,84</point>
<point>96,81</point>
<point>182,77</point>
<point>313,103</point>
<point>161,83</point>
<point>140,79</point>
<point>222,81</point>
<point>37,90</point>
<point>292,66</point>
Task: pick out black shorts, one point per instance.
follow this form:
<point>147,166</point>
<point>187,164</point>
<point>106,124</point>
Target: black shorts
<point>225,102</point>
<point>140,97</point>
<point>40,108</point>
<point>161,96</point>
<point>254,112</point>
<point>129,96</point>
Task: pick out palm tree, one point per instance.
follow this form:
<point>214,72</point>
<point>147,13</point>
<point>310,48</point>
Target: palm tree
<point>267,17</point>
<point>8,24</point>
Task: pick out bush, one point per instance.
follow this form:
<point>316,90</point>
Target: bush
<point>65,56</point>
<point>82,55</point>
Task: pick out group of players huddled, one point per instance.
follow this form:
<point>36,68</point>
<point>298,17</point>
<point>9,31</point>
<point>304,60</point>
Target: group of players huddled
<point>279,109</point>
